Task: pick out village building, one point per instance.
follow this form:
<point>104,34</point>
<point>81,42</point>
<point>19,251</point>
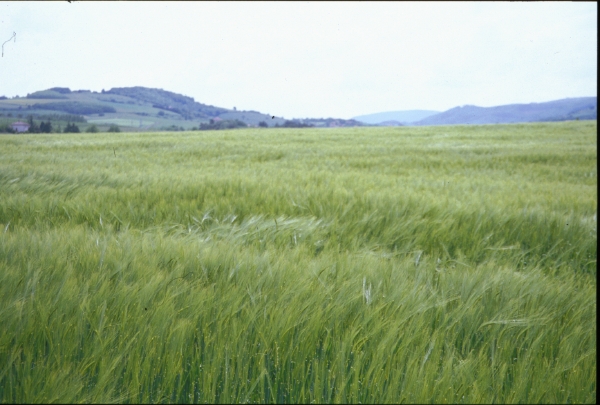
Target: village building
<point>20,126</point>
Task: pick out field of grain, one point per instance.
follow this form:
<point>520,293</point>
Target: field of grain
<point>377,265</point>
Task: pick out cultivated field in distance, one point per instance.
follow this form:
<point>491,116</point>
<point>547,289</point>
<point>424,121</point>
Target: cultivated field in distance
<point>450,264</point>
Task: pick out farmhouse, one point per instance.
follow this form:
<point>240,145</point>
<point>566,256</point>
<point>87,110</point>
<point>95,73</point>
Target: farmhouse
<point>20,126</point>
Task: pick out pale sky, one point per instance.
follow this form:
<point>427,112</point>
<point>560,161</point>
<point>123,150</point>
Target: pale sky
<point>309,59</point>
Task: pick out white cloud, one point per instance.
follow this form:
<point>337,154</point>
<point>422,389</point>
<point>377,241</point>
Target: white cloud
<point>307,59</point>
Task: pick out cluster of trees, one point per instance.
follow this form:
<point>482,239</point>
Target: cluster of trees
<point>43,123</point>
<point>74,129</point>
<point>173,128</point>
<point>47,127</point>
<point>44,127</point>
<point>287,124</point>
<point>46,94</point>
<point>5,128</point>
<point>61,90</point>
<point>71,128</point>
<point>223,124</point>
<point>187,115</point>
<point>49,117</point>
<point>294,124</point>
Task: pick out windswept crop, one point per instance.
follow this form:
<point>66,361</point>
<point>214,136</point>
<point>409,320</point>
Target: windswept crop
<point>374,265</point>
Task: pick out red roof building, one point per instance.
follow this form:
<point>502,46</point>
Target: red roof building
<point>20,126</point>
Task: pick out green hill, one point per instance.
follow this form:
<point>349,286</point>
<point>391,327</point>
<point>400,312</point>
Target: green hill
<point>185,106</point>
<point>139,108</point>
<point>132,108</point>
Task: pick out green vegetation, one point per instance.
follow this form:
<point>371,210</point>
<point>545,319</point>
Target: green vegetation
<point>222,124</point>
<point>75,108</point>
<point>53,125</point>
<point>59,117</point>
<point>295,124</point>
<point>5,128</point>
<point>114,128</point>
<point>43,127</point>
<point>374,265</point>
<point>330,122</point>
<point>71,128</point>
<point>166,100</point>
<point>62,90</point>
<point>46,94</point>
<point>121,122</point>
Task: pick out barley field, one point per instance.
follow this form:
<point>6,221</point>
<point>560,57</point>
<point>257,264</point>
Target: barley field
<point>448,264</point>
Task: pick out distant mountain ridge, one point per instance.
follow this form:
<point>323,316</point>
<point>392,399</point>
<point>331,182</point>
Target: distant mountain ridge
<point>584,108</point>
<point>401,117</point>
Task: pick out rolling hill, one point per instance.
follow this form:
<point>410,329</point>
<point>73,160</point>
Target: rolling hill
<point>137,108</point>
<point>584,108</point>
<point>142,108</point>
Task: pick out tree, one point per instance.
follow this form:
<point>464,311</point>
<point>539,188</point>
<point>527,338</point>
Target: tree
<point>263,124</point>
<point>71,128</point>
<point>92,129</point>
<point>114,128</point>
<point>33,128</point>
<point>46,127</point>
<point>6,128</point>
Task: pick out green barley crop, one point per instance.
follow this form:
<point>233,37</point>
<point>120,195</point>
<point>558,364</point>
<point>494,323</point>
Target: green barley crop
<point>396,265</point>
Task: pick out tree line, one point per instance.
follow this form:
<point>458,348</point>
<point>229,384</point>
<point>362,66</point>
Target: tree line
<point>47,127</point>
<point>224,124</point>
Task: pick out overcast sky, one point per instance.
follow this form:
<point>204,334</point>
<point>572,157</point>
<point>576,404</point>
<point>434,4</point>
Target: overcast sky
<point>307,59</point>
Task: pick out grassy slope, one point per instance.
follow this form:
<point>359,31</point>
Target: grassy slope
<point>125,115</point>
<point>442,264</point>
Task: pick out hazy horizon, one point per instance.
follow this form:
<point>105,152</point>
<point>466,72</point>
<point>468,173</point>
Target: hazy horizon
<point>298,60</point>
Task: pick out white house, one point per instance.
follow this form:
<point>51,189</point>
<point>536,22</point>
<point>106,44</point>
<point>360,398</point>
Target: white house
<point>20,126</point>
